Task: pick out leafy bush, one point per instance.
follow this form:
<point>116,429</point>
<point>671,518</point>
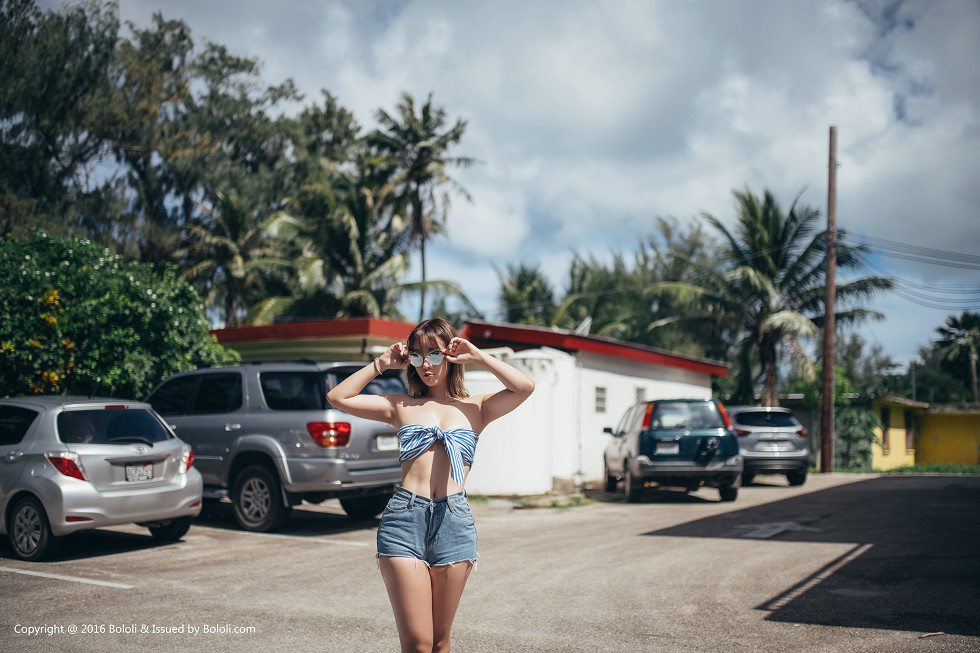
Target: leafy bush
<point>77,319</point>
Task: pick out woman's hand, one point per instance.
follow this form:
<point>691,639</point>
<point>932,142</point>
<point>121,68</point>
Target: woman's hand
<point>461,350</point>
<point>394,358</point>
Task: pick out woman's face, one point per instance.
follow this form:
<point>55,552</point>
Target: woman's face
<point>431,374</point>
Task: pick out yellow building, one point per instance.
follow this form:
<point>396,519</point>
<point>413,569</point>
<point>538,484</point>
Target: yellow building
<point>949,434</point>
<point>901,424</point>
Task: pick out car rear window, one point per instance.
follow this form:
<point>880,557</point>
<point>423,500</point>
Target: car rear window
<point>765,418</point>
<point>293,390</point>
<point>14,422</point>
<point>686,415</point>
<point>389,383</point>
<point>110,426</point>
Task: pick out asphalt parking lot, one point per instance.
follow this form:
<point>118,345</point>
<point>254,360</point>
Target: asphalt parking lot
<point>843,563</point>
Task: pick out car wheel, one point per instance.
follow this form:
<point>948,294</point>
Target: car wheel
<point>796,478</point>
<point>633,489</point>
<point>30,532</point>
<point>365,507</point>
<point>257,500</point>
<point>728,493</point>
<point>176,529</point>
<point>610,485</point>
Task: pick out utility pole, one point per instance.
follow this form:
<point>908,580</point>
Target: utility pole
<point>827,399</point>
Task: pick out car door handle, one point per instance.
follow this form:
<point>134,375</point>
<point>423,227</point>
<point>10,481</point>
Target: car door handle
<point>233,427</point>
<point>14,455</point>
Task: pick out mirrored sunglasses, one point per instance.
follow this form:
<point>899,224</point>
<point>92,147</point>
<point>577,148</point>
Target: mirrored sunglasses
<point>434,358</point>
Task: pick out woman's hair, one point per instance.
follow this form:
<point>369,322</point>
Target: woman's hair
<point>428,335</point>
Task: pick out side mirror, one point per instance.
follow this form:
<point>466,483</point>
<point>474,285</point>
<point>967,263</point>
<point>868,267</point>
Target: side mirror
<point>608,430</point>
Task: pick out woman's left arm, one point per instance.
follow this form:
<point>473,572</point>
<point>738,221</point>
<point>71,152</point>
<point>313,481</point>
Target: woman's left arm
<point>517,385</point>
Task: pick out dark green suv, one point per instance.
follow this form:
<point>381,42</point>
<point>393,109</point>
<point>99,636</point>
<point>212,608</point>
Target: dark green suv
<point>682,443</point>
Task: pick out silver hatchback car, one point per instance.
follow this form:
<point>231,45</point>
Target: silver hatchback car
<point>74,463</point>
<point>772,441</point>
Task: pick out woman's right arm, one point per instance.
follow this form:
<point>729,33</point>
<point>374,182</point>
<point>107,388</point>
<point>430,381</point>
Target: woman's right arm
<point>346,394</point>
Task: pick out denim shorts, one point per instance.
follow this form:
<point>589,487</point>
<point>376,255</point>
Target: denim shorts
<point>435,531</point>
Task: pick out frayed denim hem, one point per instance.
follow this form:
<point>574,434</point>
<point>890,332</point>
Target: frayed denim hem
<point>472,561</point>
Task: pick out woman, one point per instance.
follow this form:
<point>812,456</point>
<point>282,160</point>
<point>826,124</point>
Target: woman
<point>428,520</point>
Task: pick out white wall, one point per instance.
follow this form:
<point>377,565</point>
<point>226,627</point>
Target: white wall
<point>515,453</point>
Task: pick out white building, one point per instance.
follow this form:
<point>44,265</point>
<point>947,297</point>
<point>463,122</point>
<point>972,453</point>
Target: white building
<point>582,385</point>
<point>555,439</point>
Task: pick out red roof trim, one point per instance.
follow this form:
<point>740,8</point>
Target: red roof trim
<point>541,337</point>
<point>365,327</point>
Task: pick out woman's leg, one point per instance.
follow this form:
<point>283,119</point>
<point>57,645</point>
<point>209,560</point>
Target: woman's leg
<point>447,587</point>
<point>410,592</point>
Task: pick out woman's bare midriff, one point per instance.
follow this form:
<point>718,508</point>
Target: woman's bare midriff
<point>428,475</point>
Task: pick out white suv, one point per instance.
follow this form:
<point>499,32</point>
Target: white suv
<point>264,436</point>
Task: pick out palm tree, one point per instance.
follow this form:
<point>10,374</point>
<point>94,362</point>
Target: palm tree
<point>772,284</point>
<point>413,148</point>
<point>959,342</point>
<point>526,296</point>
<point>229,257</point>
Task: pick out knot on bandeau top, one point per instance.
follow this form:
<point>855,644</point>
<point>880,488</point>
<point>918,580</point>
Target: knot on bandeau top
<point>460,444</point>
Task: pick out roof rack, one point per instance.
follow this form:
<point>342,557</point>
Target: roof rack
<point>264,361</point>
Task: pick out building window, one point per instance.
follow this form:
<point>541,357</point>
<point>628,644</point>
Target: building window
<point>600,399</point>
<point>886,418</point>
<point>909,431</point>
<point>641,395</point>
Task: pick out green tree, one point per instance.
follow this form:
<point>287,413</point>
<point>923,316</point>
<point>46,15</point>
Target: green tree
<point>76,318</point>
<point>54,84</point>
<point>772,284</point>
<point>958,343</point>
<point>526,296</point>
<point>230,256</point>
<point>414,149</point>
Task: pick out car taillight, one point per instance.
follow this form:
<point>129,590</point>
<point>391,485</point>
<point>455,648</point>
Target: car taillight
<point>646,417</point>
<point>329,434</point>
<point>67,463</point>
<point>741,432</point>
<point>186,460</point>
<point>728,421</point>
<point>802,432</point>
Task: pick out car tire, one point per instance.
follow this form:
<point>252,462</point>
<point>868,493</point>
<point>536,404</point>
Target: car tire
<point>176,529</point>
<point>610,480</point>
<point>30,532</point>
<point>728,493</point>
<point>632,489</point>
<point>796,478</point>
<point>256,497</point>
<point>365,507</point>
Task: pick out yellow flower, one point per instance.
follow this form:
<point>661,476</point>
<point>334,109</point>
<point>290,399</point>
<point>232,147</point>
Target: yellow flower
<point>7,346</point>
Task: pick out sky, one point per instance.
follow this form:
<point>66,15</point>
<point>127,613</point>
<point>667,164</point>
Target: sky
<point>592,118</point>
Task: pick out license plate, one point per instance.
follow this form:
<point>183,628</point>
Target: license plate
<point>139,472</point>
<point>387,443</point>
<point>668,447</point>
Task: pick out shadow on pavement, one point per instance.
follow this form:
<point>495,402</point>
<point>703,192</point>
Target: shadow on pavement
<point>914,564</point>
<point>302,521</point>
<point>94,543</point>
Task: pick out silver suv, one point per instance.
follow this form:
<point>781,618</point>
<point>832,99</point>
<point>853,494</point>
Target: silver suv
<point>265,437</point>
<point>772,440</point>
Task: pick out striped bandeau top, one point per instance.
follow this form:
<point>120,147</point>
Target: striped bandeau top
<point>460,444</point>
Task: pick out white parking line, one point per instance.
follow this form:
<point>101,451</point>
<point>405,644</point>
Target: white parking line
<point>287,537</point>
<point>73,579</point>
